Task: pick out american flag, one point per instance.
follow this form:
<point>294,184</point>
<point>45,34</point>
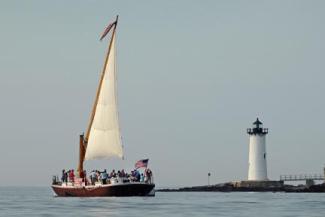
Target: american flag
<point>108,28</point>
<point>141,163</point>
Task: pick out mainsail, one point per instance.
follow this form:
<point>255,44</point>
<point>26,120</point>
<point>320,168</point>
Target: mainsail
<point>104,139</point>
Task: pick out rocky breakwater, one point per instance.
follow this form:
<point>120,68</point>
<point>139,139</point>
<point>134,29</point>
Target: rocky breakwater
<point>249,186</point>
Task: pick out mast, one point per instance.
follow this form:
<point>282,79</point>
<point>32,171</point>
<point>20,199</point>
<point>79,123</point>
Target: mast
<point>84,138</point>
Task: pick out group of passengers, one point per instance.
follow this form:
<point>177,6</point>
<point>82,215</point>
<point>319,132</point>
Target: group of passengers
<point>106,178</point>
<point>67,176</point>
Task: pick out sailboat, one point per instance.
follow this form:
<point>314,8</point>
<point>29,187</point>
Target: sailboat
<point>103,139</point>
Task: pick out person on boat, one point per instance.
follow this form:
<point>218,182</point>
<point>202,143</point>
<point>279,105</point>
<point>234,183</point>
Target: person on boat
<point>71,176</point>
<point>97,175</point>
<point>136,175</point>
<point>126,177</point>
<point>123,173</point>
<point>82,175</point>
<point>142,178</point>
<point>132,176</point>
<point>85,177</point>
<point>104,177</point>
<point>113,174</point>
<point>147,174</point>
<point>63,174</point>
<point>93,177</point>
<point>64,177</point>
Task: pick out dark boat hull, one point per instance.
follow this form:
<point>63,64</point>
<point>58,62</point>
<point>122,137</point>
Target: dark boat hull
<point>109,190</point>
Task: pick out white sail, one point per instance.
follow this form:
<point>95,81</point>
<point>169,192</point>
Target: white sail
<point>105,139</point>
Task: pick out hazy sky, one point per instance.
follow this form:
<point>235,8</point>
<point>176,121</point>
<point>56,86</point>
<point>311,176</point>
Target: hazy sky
<point>192,76</point>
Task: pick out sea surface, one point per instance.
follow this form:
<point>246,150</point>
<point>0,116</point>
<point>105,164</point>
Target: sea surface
<point>40,201</point>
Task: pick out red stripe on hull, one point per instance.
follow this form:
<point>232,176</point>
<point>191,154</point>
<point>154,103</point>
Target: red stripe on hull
<point>130,189</point>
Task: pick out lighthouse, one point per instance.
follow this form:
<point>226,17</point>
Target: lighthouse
<point>257,170</point>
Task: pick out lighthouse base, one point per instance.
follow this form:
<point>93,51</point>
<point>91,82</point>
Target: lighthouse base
<point>258,185</point>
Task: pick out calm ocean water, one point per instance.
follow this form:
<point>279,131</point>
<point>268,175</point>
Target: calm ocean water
<point>28,201</point>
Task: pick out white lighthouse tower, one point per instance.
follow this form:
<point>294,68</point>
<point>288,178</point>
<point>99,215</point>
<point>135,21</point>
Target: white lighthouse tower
<point>257,170</point>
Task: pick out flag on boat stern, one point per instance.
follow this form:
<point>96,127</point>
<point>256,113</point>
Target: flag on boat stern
<point>141,163</point>
<point>108,28</point>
